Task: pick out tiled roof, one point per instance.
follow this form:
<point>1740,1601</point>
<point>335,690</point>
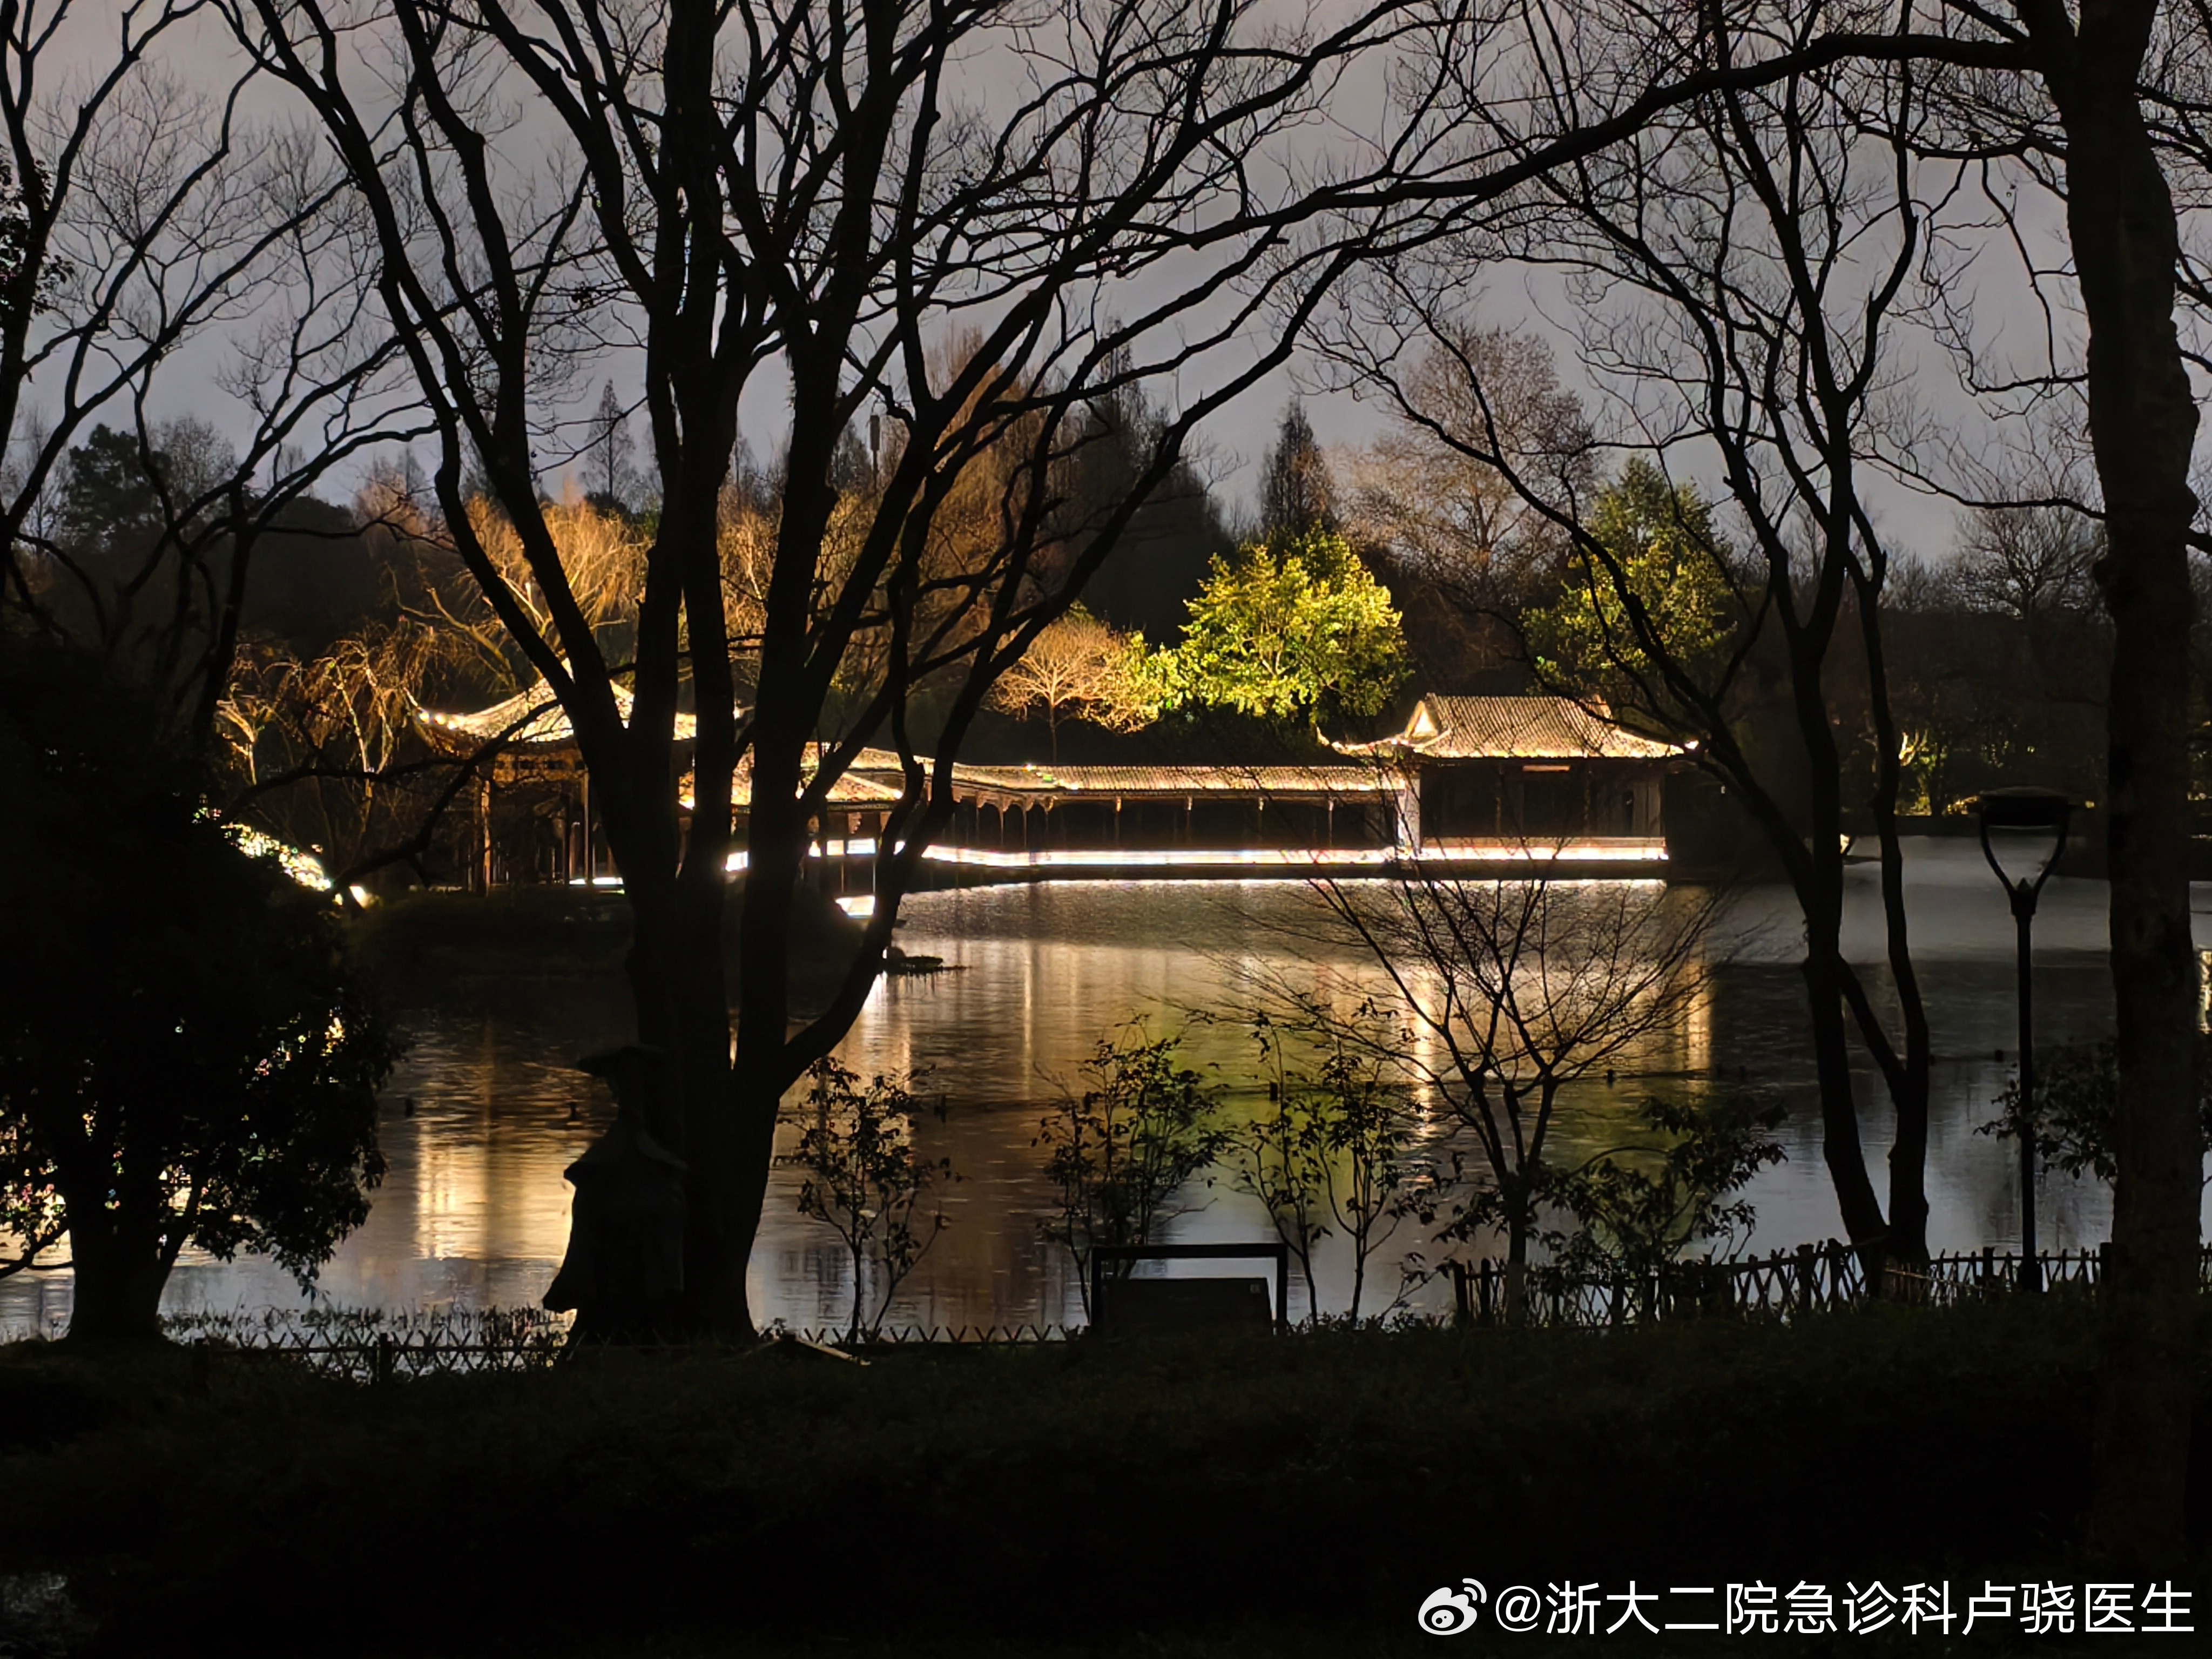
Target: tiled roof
<point>1170,781</point>
<point>1518,728</point>
<point>534,717</point>
<point>850,788</point>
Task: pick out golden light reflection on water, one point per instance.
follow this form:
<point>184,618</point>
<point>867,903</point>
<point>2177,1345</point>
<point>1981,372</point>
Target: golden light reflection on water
<point>475,1213</point>
<point>1698,1029</point>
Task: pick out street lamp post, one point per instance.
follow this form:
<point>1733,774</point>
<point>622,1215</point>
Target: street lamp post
<point>2023,833</point>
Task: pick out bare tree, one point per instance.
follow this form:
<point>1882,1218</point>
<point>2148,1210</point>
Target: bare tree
<point>2092,108</point>
<point>837,191</point>
<point>142,215</point>
<point>825,189</point>
<point>2027,561</point>
<point>1077,669</point>
<point>2084,102</point>
<point>1738,271</point>
<point>1340,1148</point>
<point>1502,993</point>
<point>1436,508</point>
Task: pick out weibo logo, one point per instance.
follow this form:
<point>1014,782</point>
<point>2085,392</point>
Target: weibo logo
<point>1450,1612</point>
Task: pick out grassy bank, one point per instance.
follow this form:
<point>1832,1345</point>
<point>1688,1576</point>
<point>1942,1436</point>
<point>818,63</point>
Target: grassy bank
<point>1295,1496</point>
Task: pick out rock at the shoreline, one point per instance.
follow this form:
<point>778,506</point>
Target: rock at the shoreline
<point>899,964</point>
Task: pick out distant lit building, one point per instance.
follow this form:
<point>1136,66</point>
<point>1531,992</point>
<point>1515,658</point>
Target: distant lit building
<point>1541,770</point>
<point>1471,782</point>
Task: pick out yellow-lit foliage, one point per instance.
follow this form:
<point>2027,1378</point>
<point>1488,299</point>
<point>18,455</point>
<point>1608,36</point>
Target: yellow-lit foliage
<point>964,555</point>
<point>1077,668</point>
<point>602,557</point>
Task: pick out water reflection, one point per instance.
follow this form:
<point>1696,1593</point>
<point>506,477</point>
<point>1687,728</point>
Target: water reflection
<point>474,1213</point>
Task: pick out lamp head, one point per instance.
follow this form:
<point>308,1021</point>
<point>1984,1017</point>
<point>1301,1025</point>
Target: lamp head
<point>2023,833</point>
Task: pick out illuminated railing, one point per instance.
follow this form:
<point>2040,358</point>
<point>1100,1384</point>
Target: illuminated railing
<point>1455,852</point>
<point>1579,851</point>
<point>860,847</point>
<point>1125,858</point>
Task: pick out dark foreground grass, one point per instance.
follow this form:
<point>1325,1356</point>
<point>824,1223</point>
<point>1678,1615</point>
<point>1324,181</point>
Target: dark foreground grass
<point>1291,1497</point>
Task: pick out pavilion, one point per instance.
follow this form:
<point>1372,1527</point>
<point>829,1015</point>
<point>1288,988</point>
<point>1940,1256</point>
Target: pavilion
<point>1534,770</point>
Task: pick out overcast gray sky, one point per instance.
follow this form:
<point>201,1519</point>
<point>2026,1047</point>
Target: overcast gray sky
<point>1234,442</point>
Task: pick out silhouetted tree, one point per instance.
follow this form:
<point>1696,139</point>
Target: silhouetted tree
<point>111,496</point>
<point>2028,560</point>
<point>140,214</point>
<point>1120,1153</point>
<point>860,1173</point>
<point>188,1057</point>
<point>1500,994</point>
<point>870,240</point>
<point>1767,356</point>
<point>1337,1150</point>
<point>1161,556</point>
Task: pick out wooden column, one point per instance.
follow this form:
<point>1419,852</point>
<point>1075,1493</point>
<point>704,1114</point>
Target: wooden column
<point>590,861</point>
<point>483,833</point>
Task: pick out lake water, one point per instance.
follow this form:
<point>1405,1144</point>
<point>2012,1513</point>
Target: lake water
<point>474,1212</point>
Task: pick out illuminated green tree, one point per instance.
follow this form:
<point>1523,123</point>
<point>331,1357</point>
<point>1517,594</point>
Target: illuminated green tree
<point>1297,630</point>
<point>1661,554</point>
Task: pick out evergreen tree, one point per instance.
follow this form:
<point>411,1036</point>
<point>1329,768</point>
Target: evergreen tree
<point>1296,494</point>
<point>110,498</point>
<point>1160,562</point>
<point>1662,548</point>
<point>1298,630</point>
<point>610,474</point>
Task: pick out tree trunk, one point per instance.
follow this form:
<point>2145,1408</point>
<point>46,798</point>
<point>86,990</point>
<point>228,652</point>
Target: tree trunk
<point>1907,1074</point>
<point>1516,1269</point>
<point>1874,1234</point>
<point>120,1274</point>
<point>1840,1146</point>
<point>2142,425</point>
<point>744,1154</point>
